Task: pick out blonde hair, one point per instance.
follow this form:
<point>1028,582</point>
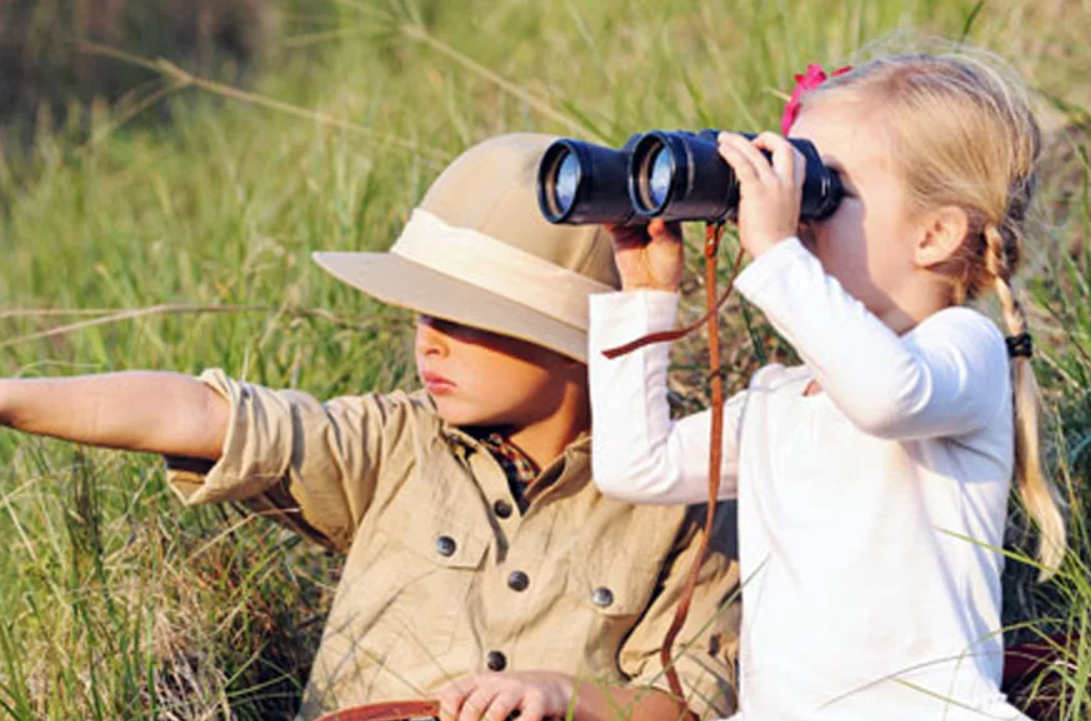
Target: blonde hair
<point>962,133</point>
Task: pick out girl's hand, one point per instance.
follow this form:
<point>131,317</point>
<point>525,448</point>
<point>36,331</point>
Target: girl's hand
<point>536,695</point>
<point>649,256</point>
<point>770,192</point>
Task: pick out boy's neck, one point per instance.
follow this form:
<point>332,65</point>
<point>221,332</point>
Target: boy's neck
<point>541,444</point>
<point>543,440</point>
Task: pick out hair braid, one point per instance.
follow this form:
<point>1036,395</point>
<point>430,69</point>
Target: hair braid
<point>1034,490</point>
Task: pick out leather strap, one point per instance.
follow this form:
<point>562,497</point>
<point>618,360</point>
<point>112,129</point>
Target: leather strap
<point>387,711</point>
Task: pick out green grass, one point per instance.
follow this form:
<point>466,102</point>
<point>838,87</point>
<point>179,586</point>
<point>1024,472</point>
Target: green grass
<point>117,603</point>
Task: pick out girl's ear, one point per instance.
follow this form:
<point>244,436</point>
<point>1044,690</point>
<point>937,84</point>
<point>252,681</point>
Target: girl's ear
<point>942,233</point>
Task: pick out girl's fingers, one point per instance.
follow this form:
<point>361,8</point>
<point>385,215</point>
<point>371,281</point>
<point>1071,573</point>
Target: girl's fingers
<point>628,236</point>
<point>787,162</point>
<point>744,169</point>
<point>757,166</point>
<point>660,231</point>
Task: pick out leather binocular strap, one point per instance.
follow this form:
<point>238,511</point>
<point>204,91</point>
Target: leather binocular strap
<point>713,233</point>
<point>387,711</point>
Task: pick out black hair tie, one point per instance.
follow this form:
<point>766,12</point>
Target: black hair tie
<point>1019,345</point>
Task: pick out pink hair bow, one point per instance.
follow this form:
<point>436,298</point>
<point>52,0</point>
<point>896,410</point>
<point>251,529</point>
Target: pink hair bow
<point>809,80</point>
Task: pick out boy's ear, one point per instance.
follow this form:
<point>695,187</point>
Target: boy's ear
<point>942,232</point>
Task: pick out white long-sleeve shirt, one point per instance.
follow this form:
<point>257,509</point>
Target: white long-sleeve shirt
<point>870,515</point>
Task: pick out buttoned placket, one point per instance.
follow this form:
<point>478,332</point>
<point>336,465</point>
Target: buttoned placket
<point>505,571</point>
<point>515,565</point>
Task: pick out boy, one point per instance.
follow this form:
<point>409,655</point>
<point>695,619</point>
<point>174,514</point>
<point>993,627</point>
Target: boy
<point>483,566</point>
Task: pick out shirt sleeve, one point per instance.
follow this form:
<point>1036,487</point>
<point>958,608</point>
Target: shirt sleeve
<point>949,376</point>
<point>706,649</point>
<point>639,453</point>
<point>313,466</point>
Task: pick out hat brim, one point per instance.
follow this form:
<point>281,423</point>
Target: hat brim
<point>403,282</point>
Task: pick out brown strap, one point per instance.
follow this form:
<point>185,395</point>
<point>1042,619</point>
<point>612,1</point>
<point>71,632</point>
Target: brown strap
<point>387,711</point>
<point>713,233</point>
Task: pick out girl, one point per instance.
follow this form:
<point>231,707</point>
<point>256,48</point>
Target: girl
<point>872,480</point>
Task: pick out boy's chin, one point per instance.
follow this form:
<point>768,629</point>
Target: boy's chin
<point>457,414</point>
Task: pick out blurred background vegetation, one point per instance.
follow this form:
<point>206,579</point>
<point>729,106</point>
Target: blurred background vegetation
<point>167,166</point>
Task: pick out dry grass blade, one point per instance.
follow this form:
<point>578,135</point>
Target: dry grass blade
<point>437,158</point>
<point>419,34</point>
<point>164,309</point>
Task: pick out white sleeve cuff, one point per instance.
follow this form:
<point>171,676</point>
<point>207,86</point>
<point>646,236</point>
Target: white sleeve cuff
<point>621,317</point>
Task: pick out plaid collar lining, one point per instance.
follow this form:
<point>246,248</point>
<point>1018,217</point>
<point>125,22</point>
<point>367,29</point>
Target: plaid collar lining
<point>520,470</point>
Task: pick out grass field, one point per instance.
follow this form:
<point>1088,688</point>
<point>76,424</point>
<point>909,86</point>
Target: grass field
<point>173,231</point>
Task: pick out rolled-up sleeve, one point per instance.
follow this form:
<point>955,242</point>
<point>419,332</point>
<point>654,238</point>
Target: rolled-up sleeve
<point>313,465</point>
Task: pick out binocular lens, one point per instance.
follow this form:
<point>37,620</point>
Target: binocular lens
<point>567,179</point>
<point>679,176</point>
<point>558,181</point>
<point>654,177</point>
<point>583,183</point>
<point>659,180</point>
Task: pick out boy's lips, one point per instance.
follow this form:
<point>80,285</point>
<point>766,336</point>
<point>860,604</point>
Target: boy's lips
<point>437,384</point>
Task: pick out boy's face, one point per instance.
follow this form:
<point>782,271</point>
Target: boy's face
<point>479,378</point>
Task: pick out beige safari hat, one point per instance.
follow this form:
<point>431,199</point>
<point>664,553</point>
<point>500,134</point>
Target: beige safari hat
<point>477,251</point>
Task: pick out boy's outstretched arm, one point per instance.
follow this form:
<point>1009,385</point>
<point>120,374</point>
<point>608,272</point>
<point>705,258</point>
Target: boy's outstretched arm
<point>539,695</point>
<point>167,413</point>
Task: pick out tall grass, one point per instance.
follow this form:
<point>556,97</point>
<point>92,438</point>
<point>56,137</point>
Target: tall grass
<point>115,602</point>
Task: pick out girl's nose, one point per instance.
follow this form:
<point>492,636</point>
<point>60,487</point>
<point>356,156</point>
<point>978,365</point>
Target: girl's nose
<point>430,339</point>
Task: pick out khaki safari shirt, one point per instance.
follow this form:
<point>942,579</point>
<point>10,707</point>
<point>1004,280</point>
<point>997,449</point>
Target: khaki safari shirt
<point>444,576</point>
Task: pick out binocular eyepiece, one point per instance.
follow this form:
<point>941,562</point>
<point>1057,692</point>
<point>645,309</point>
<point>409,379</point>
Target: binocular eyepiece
<point>676,175</point>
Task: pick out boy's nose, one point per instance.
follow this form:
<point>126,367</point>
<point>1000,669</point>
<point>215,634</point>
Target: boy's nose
<point>430,339</point>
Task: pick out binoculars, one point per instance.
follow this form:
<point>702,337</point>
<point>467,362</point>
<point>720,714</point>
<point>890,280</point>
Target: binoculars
<point>676,175</point>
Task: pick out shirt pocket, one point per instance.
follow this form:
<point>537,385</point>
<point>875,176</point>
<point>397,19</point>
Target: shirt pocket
<point>430,564</point>
<point>606,598</point>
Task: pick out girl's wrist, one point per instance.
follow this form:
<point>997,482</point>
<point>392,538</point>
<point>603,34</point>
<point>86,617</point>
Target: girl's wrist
<point>757,247</point>
<point>648,285</point>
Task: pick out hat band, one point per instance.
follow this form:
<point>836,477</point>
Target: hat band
<point>489,264</point>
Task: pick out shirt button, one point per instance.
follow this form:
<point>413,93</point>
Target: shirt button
<point>446,546</point>
<point>602,597</point>
<point>518,581</point>
<point>502,509</point>
<point>496,661</point>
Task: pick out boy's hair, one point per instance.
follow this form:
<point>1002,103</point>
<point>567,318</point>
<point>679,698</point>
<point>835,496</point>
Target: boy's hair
<point>477,251</point>
<point>961,132</point>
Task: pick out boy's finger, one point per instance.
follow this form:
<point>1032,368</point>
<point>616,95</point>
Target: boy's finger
<point>533,709</point>
<point>450,703</point>
<point>503,706</point>
<point>474,705</point>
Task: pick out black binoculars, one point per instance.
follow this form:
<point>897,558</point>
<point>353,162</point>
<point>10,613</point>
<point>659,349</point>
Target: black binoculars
<point>676,175</point>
